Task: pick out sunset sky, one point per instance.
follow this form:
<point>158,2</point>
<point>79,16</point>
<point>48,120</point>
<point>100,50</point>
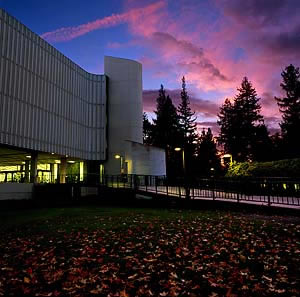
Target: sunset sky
<point>214,43</point>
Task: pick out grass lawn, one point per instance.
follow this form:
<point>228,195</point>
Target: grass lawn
<point>147,252</point>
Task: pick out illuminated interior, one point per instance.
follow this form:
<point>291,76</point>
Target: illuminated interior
<point>15,166</point>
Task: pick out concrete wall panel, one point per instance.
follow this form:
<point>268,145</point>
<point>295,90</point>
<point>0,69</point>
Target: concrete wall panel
<point>15,191</point>
<point>148,160</point>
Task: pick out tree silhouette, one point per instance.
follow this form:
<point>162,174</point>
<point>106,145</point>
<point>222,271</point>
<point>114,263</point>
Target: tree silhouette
<point>262,146</point>
<point>166,130</point>
<point>239,123</point>
<point>289,106</point>
<point>188,127</point>
<point>208,162</point>
<point>166,125</point>
<point>186,116</point>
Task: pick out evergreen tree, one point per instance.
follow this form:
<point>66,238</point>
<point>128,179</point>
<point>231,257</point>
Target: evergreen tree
<point>227,122</point>
<point>208,161</point>
<point>239,122</point>
<point>186,116</point>
<point>289,106</point>
<point>278,147</point>
<point>147,130</point>
<point>261,146</point>
<point>166,124</point>
<point>188,127</point>
<point>166,131</point>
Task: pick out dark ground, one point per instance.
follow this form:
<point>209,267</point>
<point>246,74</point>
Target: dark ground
<point>93,251</point>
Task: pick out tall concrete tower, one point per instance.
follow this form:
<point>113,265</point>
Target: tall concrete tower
<point>125,121</point>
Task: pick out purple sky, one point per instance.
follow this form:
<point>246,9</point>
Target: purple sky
<point>214,43</point>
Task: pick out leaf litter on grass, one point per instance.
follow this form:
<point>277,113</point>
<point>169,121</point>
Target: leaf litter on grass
<point>136,255</point>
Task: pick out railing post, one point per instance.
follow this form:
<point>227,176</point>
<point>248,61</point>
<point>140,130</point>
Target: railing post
<point>167,187</point>
<point>146,182</point>
<point>269,187</point>
<point>156,179</point>
<point>135,182</point>
<point>187,189</point>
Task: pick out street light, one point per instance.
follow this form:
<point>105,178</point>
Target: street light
<point>228,156</point>
<point>178,149</point>
<point>187,190</point>
<point>117,156</point>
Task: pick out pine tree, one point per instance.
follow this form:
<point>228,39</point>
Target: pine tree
<point>208,161</point>
<point>289,106</point>
<point>261,146</point>
<point>278,147</point>
<point>227,122</point>
<point>188,127</point>
<point>239,121</point>
<point>166,131</point>
<point>186,116</point>
<point>166,124</point>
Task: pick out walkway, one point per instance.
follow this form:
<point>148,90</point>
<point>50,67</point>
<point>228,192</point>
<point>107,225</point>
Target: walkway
<point>205,194</point>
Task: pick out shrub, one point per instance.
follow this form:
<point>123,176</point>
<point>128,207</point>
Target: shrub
<point>281,168</point>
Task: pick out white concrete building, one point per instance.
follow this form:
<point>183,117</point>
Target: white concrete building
<point>59,121</point>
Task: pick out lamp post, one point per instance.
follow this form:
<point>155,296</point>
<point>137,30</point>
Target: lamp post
<point>117,156</point>
<point>178,149</point>
<point>187,189</point>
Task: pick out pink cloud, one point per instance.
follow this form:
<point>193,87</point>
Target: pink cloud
<point>69,33</point>
<point>183,53</point>
<point>190,58</point>
<point>268,31</point>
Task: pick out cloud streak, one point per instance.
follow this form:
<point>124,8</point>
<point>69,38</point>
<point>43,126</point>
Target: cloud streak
<point>69,33</point>
<point>189,56</point>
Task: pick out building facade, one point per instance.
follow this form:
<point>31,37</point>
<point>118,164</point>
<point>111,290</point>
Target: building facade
<point>56,118</point>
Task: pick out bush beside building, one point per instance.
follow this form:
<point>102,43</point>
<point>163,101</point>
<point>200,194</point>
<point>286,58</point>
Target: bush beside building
<point>281,168</point>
